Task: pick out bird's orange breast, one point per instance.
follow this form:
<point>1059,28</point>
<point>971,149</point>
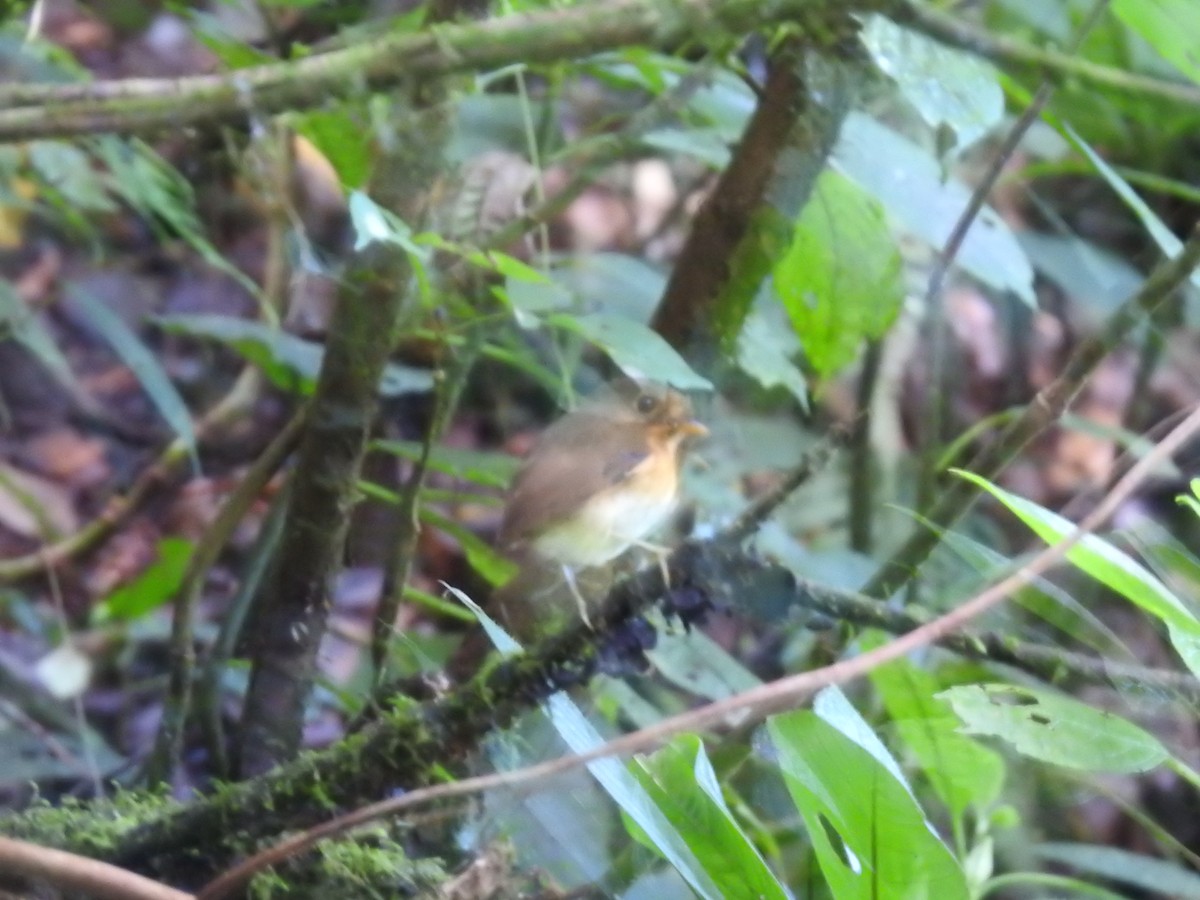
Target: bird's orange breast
<point>614,519</point>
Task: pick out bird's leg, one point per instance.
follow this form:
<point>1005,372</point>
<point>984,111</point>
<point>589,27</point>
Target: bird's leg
<point>569,576</point>
<point>660,553</point>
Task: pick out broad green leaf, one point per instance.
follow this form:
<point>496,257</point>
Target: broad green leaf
<point>1054,728</point>
<point>912,188</point>
<point>638,351</point>
<point>478,466</point>
<point>964,773</point>
<point>156,585</point>
<point>1155,875</point>
<point>765,354</point>
<point>680,779</point>
<point>289,362</point>
<point>144,365</point>
<point>580,736</point>
<point>1100,559</point>
<point>833,707</point>
<point>612,283</point>
<point>489,563</point>
<point>841,280</point>
<point>1172,27</point>
<point>1167,242</point>
<point>946,86</point>
<point>845,796</point>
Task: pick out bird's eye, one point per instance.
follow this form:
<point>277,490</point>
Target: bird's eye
<point>646,403</point>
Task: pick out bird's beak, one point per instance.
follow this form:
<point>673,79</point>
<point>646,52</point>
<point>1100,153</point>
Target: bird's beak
<point>692,428</point>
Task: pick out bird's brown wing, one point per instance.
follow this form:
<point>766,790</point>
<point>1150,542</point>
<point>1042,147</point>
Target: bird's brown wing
<point>576,459</point>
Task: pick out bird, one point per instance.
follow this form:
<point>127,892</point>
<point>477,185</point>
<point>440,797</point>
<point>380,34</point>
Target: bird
<point>598,482</point>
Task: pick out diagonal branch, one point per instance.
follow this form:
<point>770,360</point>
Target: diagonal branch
<point>145,105</point>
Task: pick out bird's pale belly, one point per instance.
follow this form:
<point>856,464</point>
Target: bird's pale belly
<point>608,525</point>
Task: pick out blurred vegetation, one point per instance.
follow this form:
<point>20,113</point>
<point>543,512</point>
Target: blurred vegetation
<point>287,286</point>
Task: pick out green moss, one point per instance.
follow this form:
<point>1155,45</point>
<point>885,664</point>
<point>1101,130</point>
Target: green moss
<point>369,863</point>
<point>90,827</point>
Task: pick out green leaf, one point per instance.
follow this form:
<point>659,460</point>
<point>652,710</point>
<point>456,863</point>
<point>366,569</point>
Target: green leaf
<point>851,804</point>
<point>964,773</point>
<point>638,351</point>
<point>342,138</point>
<point>841,279</point>
<point>581,736</point>
<point>1155,875</point>
<point>912,187</point>
<point>1054,728</point>
<point>18,322</point>
<point>680,779</point>
<point>477,466</point>
<point>1164,237</point>
<point>1192,502</point>
<point>483,559</point>
<point>765,354</point>
<point>1172,27</point>
<point>289,362</point>
<point>945,85</point>
<point>155,586</point>
<point>1101,560</point>
<point>144,365</point>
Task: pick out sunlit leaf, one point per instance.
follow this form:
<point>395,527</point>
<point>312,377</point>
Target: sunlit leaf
<point>157,584</point>
<point>1099,558</point>
<point>964,773</point>
<point>1172,27</point>
<point>870,836</point>
<point>680,779</point>
<point>1054,728</point>
<point>841,280</point>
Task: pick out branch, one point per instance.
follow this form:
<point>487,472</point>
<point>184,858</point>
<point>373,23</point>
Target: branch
<point>760,192</point>
<point>414,744</point>
<point>1051,401</point>
<point>759,701</point>
<point>143,105</point>
<point>79,874</point>
<point>1003,50</point>
<point>1052,664</point>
